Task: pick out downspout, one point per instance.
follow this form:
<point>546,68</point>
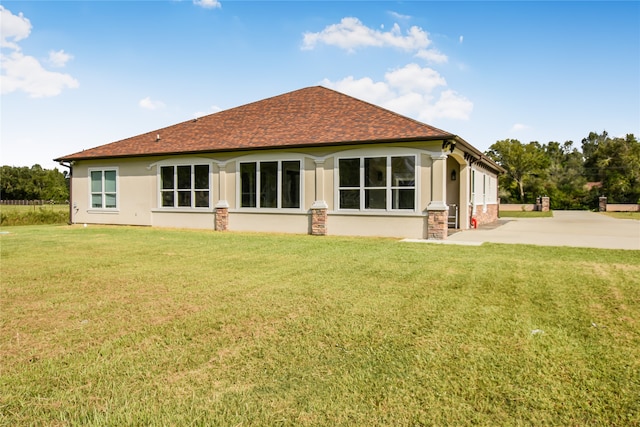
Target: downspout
<point>70,167</point>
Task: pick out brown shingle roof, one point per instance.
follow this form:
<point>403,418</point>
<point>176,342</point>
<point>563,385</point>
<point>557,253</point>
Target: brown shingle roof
<point>311,116</point>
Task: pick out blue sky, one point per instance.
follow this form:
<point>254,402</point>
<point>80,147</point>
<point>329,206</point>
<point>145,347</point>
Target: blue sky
<point>75,74</point>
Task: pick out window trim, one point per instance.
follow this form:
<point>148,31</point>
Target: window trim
<point>279,183</point>
<point>102,170</point>
<point>389,187</point>
<point>192,165</point>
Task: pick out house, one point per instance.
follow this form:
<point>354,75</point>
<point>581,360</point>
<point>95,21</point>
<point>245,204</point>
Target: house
<point>309,161</point>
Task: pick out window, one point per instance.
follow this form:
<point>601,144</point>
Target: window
<point>377,183</point>
<point>185,186</point>
<point>272,184</point>
<point>103,188</point>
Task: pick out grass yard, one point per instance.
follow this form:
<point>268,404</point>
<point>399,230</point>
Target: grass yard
<point>526,214</point>
<point>623,215</point>
<point>142,326</point>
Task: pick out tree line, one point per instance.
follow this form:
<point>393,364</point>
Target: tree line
<point>33,183</point>
<point>572,178</point>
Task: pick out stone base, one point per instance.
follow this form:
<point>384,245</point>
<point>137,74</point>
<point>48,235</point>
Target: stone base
<point>318,222</point>
<point>491,215</point>
<point>222,219</point>
<point>437,228</point>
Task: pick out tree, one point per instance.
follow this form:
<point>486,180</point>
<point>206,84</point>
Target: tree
<point>35,183</point>
<point>615,163</point>
<point>565,184</point>
<point>526,166</point>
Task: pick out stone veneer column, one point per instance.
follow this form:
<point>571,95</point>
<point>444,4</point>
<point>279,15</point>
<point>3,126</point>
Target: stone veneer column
<point>544,204</point>
<point>602,204</point>
<point>318,221</point>
<point>438,211</point>
<point>222,218</point>
<point>437,228</point>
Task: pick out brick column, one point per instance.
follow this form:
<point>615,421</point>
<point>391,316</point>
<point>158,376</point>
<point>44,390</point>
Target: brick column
<point>437,228</point>
<point>602,204</point>
<point>318,221</point>
<point>222,218</point>
<point>544,203</point>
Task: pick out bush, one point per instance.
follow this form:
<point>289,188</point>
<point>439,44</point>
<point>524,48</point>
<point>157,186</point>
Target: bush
<point>42,215</point>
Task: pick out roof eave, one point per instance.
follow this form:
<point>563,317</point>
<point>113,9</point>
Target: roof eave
<point>473,151</point>
<point>74,157</point>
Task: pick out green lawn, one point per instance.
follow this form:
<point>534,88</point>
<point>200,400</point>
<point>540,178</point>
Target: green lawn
<point>143,326</point>
<point>623,215</point>
<point>526,214</point>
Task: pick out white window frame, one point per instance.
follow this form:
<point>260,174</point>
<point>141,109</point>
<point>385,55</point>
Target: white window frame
<point>193,190</point>
<point>279,207</point>
<point>103,191</point>
<point>389,187</point>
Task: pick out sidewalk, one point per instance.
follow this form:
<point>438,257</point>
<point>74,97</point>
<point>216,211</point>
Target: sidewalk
<point>566,228</point>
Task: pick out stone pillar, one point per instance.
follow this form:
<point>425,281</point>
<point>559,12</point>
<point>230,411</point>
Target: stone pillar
<point>222,218</point>
<point>602,204</point>
<point>544,204</point>
<point>437,228</point>
<point>318,221</point>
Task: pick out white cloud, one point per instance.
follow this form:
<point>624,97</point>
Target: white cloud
<point>350,34</point>
<point>411,91</point>
<point>413,77</point>
<point>212,109</point>
<point>21,72</point>
<point>519,127</point>
<point>59,58</point>
<point>432,55</point>
<point>399,16</point>
<point>15,27</point>
<point>148,104</point>
<point>450,105</point>
<point>208,4</point>
<point>365,88</point>
<point>461,39</point>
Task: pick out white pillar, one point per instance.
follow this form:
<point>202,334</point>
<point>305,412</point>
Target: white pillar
<point>438,182</point>
<point>222,186</point>
<point>319,201</point>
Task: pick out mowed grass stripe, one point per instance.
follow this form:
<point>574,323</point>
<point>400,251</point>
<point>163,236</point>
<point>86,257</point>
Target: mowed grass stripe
<point>126,325</point>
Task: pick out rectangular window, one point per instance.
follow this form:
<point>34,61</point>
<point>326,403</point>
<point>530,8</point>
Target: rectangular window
<point>377,183</point>
<point>103,189</point>
<point>185,186</point>
<point>273,184</point>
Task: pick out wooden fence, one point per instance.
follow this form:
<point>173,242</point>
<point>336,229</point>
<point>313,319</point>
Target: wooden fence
<point>27,202</point>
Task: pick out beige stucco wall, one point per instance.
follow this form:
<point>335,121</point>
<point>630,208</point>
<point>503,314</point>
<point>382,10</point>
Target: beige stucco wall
<point>138,190</point>
<point>135,200</point>
<point>376,226</point>
<point>269,222</point>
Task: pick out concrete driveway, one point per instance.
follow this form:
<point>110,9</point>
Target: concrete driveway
<point>566,228</point>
